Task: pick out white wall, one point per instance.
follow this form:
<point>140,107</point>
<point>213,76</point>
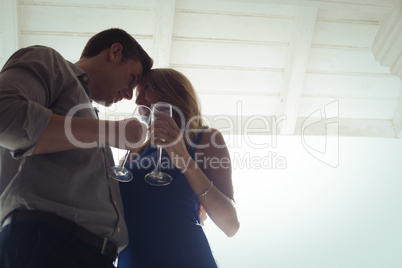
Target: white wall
<point>296,211</point>
<point>314,215</point>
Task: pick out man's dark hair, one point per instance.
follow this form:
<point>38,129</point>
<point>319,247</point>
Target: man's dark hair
<point>131,48</point>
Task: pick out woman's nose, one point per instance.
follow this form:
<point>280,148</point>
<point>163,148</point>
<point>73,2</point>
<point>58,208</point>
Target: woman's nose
<point>139,100</point>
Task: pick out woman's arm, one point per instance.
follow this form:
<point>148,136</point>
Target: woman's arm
<point>211,164</point>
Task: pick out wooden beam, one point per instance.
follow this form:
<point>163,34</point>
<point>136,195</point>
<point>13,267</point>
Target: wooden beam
<point>267,126</point>
<point>10,25</point>
<point>387,45</point>
<point>257,125</point>
<point>165,11</point>
<point>295,70</point>
<point>387,49</point>
<point>397,120</point>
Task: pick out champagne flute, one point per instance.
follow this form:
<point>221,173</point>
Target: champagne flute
<point>157,177</point>
<point>119,172</point>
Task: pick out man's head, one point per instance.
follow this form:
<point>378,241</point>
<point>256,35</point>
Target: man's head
<point>115,63</point>
<point>105,39</point>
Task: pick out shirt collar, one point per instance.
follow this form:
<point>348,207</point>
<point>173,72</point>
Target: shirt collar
<point>82,76</point>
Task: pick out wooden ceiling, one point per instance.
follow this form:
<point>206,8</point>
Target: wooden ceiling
<point>287,67</point>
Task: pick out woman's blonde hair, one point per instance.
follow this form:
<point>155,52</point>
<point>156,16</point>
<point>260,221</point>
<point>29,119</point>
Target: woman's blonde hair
<point>173,87</point>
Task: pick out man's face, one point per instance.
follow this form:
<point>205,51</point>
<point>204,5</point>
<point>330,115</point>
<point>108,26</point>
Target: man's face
<point>119,81</point>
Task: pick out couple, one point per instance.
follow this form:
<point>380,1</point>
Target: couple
<point>58,206</point>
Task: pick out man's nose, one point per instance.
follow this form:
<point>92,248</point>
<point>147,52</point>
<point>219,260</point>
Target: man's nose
<point>128,94</point>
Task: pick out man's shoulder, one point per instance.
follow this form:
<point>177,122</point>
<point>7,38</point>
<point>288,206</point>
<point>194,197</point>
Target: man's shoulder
<point>39,50</point>
<point>40,60</point>
<point>36,56</point>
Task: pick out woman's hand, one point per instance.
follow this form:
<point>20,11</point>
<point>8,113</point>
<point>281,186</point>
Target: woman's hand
<point>166,134</point>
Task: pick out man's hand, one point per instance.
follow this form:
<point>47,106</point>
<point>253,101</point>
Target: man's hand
<point>131,134</point>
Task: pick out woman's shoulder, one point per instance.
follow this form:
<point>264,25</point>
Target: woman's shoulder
<point>211,135</point>
<point>211,140</point>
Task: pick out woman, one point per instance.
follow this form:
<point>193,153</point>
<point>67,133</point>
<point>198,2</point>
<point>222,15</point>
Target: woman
<point>164,222</point>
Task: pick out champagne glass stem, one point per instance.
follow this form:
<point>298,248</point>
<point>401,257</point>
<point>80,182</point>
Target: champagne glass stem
<point>157,177</point>
<point>119,172</point>
<point>125,158</point>
<point>158,165</point>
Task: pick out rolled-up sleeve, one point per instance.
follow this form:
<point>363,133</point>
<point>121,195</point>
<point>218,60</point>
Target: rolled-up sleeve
<point>24,101</point>
<point>22,127</point>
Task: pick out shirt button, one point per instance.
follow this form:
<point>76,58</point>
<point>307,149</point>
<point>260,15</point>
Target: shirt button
<point>118,229</point>
<point>115,203</point>
<point>85,78</point>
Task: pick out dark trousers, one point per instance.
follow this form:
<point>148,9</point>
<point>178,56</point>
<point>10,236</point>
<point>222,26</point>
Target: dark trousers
<point>38,245</point>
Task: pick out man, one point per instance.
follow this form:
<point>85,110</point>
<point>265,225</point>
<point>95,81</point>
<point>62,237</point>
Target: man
<point>59,207</point>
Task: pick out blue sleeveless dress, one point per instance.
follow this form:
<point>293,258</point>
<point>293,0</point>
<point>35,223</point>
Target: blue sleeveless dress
<point>162,221</point>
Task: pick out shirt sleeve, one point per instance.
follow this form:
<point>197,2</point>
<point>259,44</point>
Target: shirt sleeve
<point>29,83</point>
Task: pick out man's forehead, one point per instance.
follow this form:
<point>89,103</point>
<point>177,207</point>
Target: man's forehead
<point>137,67</point>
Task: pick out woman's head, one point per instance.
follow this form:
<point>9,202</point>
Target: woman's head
<point>171,86</point>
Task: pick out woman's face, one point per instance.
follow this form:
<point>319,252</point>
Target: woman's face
<point>145,94</point>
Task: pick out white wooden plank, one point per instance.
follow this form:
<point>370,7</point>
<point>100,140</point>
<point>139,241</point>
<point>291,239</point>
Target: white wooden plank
<point>296,70</point>
<point>246,127</point>
<point>244,28</point>
<point>2,59</point>
<point>163,32</point>
<point>239,105</point>
<point>10,28</point>
<point>1,15</point>
<point>189,52</point>
<point>353,16</point>
<point>66,19</point>
<point>236,8</point>
<point>348,127</point>
<point>71,45</point>
<point>356,5</point>
<point>238,123</point>
<point>149,4</point>
<point>336,60</point>
<point>1,49</point>
<point>345,34</point>
<point>350,86</point>
<point>351,108</point>
<point>266,125</point>
<point>212,105</point>
<point>1,34</point>
<point>217,81</point>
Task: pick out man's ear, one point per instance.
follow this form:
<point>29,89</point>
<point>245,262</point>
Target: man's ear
<point>115,52</point>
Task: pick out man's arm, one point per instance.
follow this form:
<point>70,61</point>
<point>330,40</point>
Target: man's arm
<point>67,133</point>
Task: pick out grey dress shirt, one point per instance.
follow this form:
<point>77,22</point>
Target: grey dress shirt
<point>34,83</point>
